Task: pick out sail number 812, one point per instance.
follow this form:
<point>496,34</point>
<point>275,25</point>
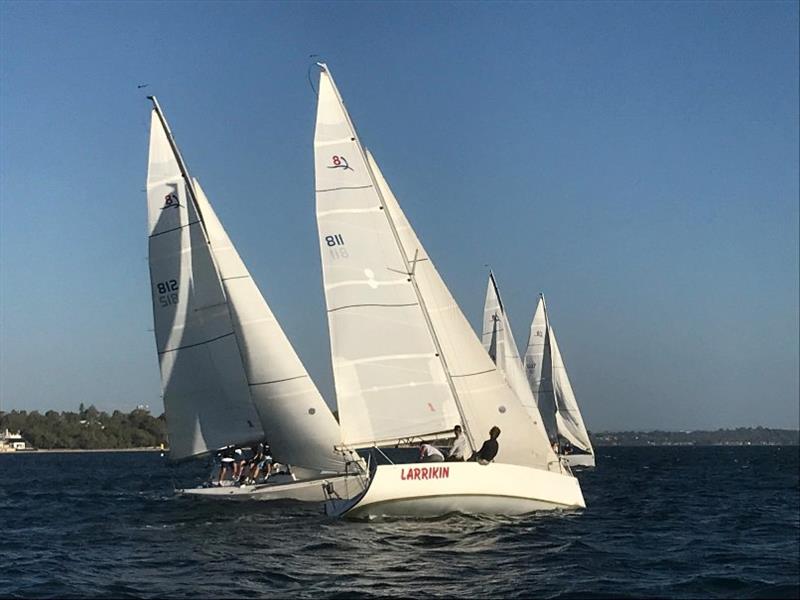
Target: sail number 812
<point>167,292</point>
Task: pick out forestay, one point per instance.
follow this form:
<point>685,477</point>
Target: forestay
<point>298,424</point>
<point>380,263</point>
<point>498,341</point>
<point>206,396</point>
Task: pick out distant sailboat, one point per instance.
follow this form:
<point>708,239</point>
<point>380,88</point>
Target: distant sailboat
<point>230,377</point>
<point>407,365</point>
<point>553,392</point>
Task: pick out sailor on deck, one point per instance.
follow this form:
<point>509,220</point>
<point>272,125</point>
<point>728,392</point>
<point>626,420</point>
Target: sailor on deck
<point>429,453</point>
<point>489,449</point>
<point>459,450</point>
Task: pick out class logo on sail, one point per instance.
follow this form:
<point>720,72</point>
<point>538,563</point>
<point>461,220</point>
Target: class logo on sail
<point>171,201</point>
<point>339,162</point>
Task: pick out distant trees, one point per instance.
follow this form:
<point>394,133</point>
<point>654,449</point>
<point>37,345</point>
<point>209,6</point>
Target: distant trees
<point>88,429</point>
<point>741,436</point>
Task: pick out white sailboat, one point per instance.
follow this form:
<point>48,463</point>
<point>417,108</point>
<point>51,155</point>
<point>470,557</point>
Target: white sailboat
<point>549,381</point>
<point>407,365</point>
<point>229,374</point>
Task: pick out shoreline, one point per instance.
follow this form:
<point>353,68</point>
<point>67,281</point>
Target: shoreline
<point>81,450</point>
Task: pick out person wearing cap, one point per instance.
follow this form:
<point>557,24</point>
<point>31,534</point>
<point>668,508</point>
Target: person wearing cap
<point>263,464</point>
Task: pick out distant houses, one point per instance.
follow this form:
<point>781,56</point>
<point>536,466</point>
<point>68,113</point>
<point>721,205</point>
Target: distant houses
<point>13,442</point>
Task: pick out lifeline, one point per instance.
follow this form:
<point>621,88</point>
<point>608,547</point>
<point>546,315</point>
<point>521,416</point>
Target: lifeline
<point>425,473</point>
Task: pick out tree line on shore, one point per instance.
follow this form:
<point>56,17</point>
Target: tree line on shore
<point>91,429</point>
<point>87,429</point>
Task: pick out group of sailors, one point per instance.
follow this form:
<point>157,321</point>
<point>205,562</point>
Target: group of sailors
<point>246,465</point>
<point>460,448</point>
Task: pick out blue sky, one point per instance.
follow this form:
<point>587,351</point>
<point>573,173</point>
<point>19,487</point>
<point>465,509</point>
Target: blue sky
<point>637,162</point>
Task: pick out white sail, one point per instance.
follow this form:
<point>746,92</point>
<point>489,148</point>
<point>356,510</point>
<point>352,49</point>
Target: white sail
<point>296,420</point>
<point>538,369</point>
<point>389,381</point>
<point>569,419</point>
<point>498,341</point>
<point>206,396</point>
<point>387,305</point>
<point>550,383</point>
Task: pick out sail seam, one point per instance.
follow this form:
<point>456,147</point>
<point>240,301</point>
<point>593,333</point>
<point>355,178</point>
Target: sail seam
<point>236,277</point>
<point>174,229</point>
<point>336,189</point>
<point>278,380</point>
<point>330,310</point>
<point>197,344</point>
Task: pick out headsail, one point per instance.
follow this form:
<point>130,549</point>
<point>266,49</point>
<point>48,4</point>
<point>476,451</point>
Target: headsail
<point>373,260</point>
<point>206,396</point>
<point>550,383</point>
<point>298,424</point>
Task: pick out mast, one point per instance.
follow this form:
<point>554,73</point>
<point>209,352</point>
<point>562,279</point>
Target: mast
<point>497,291</point>
<point>409,265</point>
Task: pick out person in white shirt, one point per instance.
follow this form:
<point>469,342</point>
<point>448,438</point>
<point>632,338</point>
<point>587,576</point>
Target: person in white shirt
<point>428,453</point>
<point>458,452</point>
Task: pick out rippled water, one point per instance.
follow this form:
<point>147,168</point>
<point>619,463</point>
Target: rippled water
<point>660,522</point>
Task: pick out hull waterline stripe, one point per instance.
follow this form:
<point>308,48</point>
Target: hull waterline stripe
<point>330,310</point>
<point>197,344</point>
<point>173,229</point>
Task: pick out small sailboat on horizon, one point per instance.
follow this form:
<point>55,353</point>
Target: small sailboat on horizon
<point>553,391</point>
<point>407,365</point>
<point>229,375</point>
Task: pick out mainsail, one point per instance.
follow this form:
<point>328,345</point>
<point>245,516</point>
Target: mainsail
<point>406,362</point>
<point>229,375</point>
<point>549,381</point>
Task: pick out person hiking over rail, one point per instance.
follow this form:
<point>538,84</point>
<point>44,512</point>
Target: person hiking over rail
<point>489,449</point>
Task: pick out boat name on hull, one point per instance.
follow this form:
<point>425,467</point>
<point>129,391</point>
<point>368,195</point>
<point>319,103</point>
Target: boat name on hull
<point>424,473</point>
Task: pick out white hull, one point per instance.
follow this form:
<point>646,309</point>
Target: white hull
<point>305,490</point>
<point>436,489</point>
<point>579,460</point>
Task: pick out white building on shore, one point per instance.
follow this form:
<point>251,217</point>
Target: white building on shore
<point>12,442</point>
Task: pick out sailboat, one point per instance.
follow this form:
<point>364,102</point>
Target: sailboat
<point>229,375</point>
<point>550,383</point>
<point>407,366</point>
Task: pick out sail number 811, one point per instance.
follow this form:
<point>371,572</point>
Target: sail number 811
<point>167,292</point>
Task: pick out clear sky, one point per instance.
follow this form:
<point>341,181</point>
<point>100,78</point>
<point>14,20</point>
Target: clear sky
<point>637,162</point>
